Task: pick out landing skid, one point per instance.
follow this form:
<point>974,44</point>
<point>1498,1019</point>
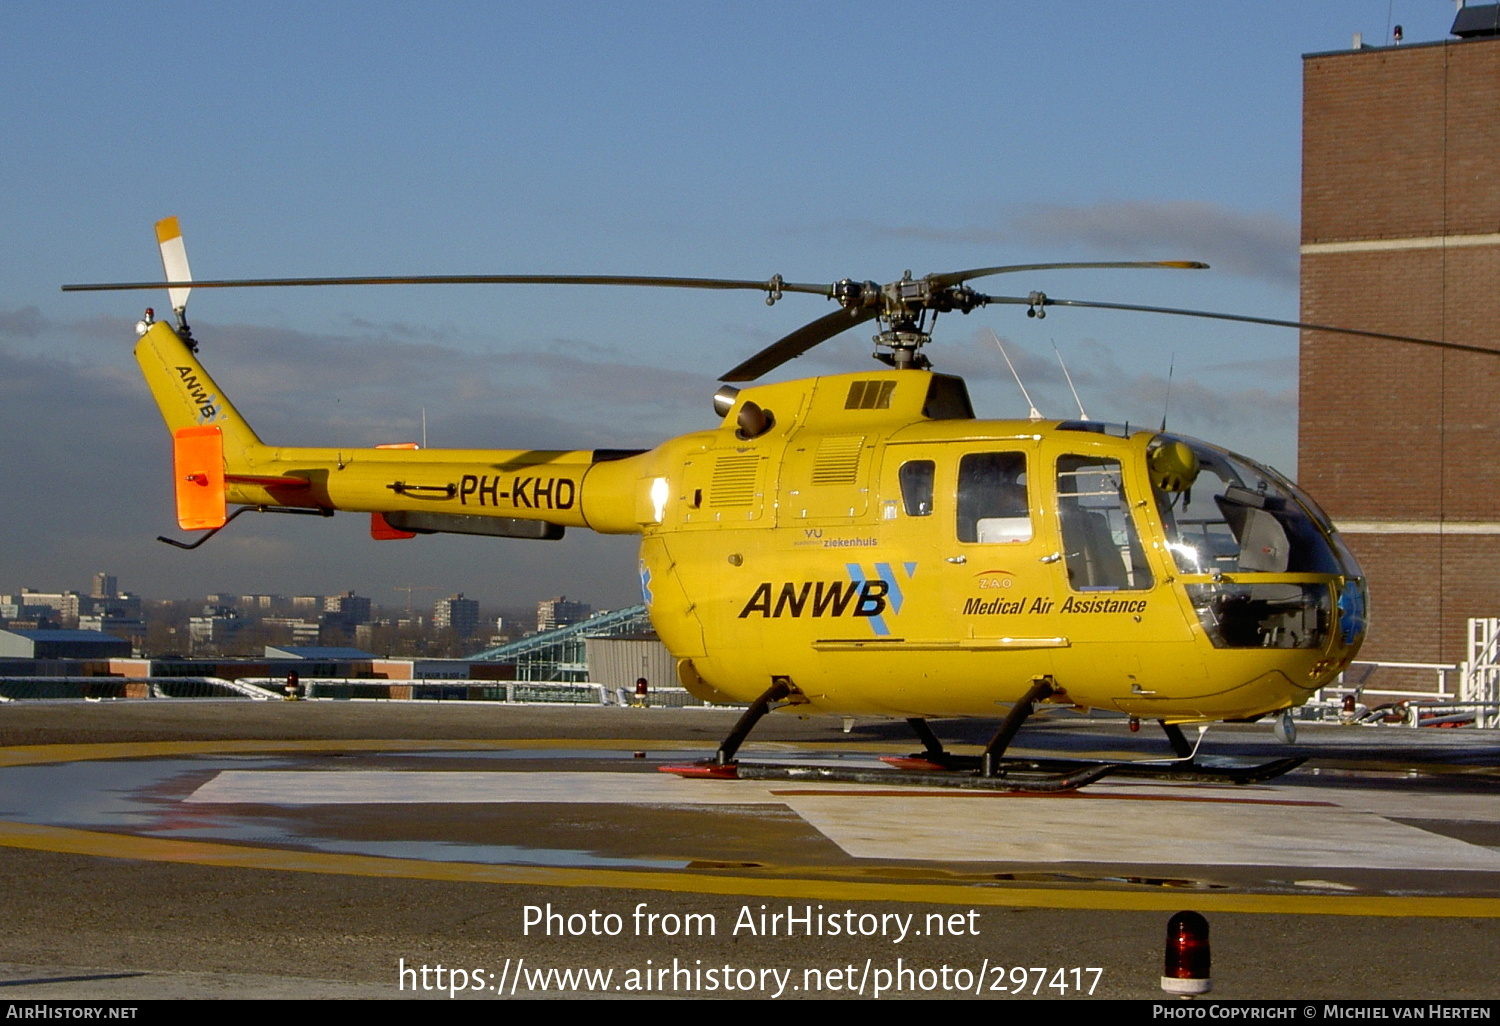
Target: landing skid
<point>991,771</point>
<point>1023,776</point>
<point>1193,772</point>
<point>963,771</point>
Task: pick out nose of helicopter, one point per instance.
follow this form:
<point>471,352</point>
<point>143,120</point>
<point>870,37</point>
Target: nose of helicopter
<point>1352,613</point>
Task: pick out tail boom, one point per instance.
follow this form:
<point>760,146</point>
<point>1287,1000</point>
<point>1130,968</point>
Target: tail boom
<point>516,484</point>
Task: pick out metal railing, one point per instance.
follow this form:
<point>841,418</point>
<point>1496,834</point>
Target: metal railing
<point>14,689</point>
<point>529,692</point>
<point>1462,694</point>
<point>520,692</point>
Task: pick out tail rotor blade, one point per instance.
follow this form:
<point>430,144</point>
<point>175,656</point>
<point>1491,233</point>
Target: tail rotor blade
<point>174,261</point>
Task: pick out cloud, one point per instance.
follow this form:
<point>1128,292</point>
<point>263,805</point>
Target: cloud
<point>403,330</point>
<point>81,445</point>
<point>26,322</point>
<point>354,389</point>
<point>1254,245</point>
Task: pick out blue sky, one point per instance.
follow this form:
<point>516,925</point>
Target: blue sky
<point>817,141</point>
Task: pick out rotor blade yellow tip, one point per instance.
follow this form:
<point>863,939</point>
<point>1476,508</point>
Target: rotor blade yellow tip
<point>167,229</point>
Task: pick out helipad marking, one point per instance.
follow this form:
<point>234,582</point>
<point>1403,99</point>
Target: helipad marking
<point>1044,829</point>
<point>875,791</point>
<point>408,787</point>
<point>87,842</point>
<point>1101,832</point>
<point>1411,805</point>
<point>103,844</point>
<point>432,787</point>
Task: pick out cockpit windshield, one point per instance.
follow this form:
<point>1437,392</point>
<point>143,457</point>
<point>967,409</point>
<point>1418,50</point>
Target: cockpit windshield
<point>1237,516</point>
<point>1231,518</point>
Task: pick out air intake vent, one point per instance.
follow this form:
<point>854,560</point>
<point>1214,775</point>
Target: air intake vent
<point>734,482</point>
<point>869,395</point>
<point>838,458</point>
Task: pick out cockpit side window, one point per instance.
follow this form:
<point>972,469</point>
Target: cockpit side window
<point>992,503</point>
<point>1101,547</point>
<point>916,487</point>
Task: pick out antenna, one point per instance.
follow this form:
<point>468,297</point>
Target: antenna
<point>1167,402</point>
<point>1035,413</point>
<point>1082,414</point>
<point>424,427</point>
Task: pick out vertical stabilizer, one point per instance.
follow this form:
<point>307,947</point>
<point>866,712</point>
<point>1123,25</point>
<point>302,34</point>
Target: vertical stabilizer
<point>185,393</point>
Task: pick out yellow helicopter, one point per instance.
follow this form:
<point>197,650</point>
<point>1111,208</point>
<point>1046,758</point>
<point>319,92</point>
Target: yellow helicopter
<point>862,544</point>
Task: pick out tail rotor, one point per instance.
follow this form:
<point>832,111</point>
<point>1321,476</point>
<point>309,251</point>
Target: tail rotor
<point>174,262</point>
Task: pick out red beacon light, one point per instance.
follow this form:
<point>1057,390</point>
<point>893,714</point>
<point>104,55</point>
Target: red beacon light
<point>1186,970</point>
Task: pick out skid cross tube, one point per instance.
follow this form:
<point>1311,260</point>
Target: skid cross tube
<point>1177,740</point>
<point>1041,687</point>
<point>780,688</point>
<point>934,747</point>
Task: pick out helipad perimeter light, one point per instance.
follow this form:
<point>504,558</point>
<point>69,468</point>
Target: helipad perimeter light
<point>1186,970</point>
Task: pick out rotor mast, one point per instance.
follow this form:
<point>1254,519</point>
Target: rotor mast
<point>907,311</point>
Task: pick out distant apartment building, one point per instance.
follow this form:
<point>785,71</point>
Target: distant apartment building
<point>348,607</point>
<point>121,605</point>
<point>301,631</point>
<point>61,608</point>
<point>559,612</point>
<point>458,614</point>
<point>219,625</point>
<point>129,628</point>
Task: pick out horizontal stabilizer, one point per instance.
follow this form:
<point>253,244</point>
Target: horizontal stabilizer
<point>290,484</point>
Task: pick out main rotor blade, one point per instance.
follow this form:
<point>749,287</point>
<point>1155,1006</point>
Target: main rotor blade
<point>799,342</point>
<point>1049,301</point>
<point>955,277</point>
<point>770,286</point>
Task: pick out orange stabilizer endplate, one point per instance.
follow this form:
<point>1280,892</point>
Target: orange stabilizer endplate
<point>702,770</point>
<point>198,467</point>
<point>911,762</point>
<point>381,530</point>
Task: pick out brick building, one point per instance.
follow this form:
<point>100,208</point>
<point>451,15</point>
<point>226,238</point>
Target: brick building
<point>1401,234</point>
